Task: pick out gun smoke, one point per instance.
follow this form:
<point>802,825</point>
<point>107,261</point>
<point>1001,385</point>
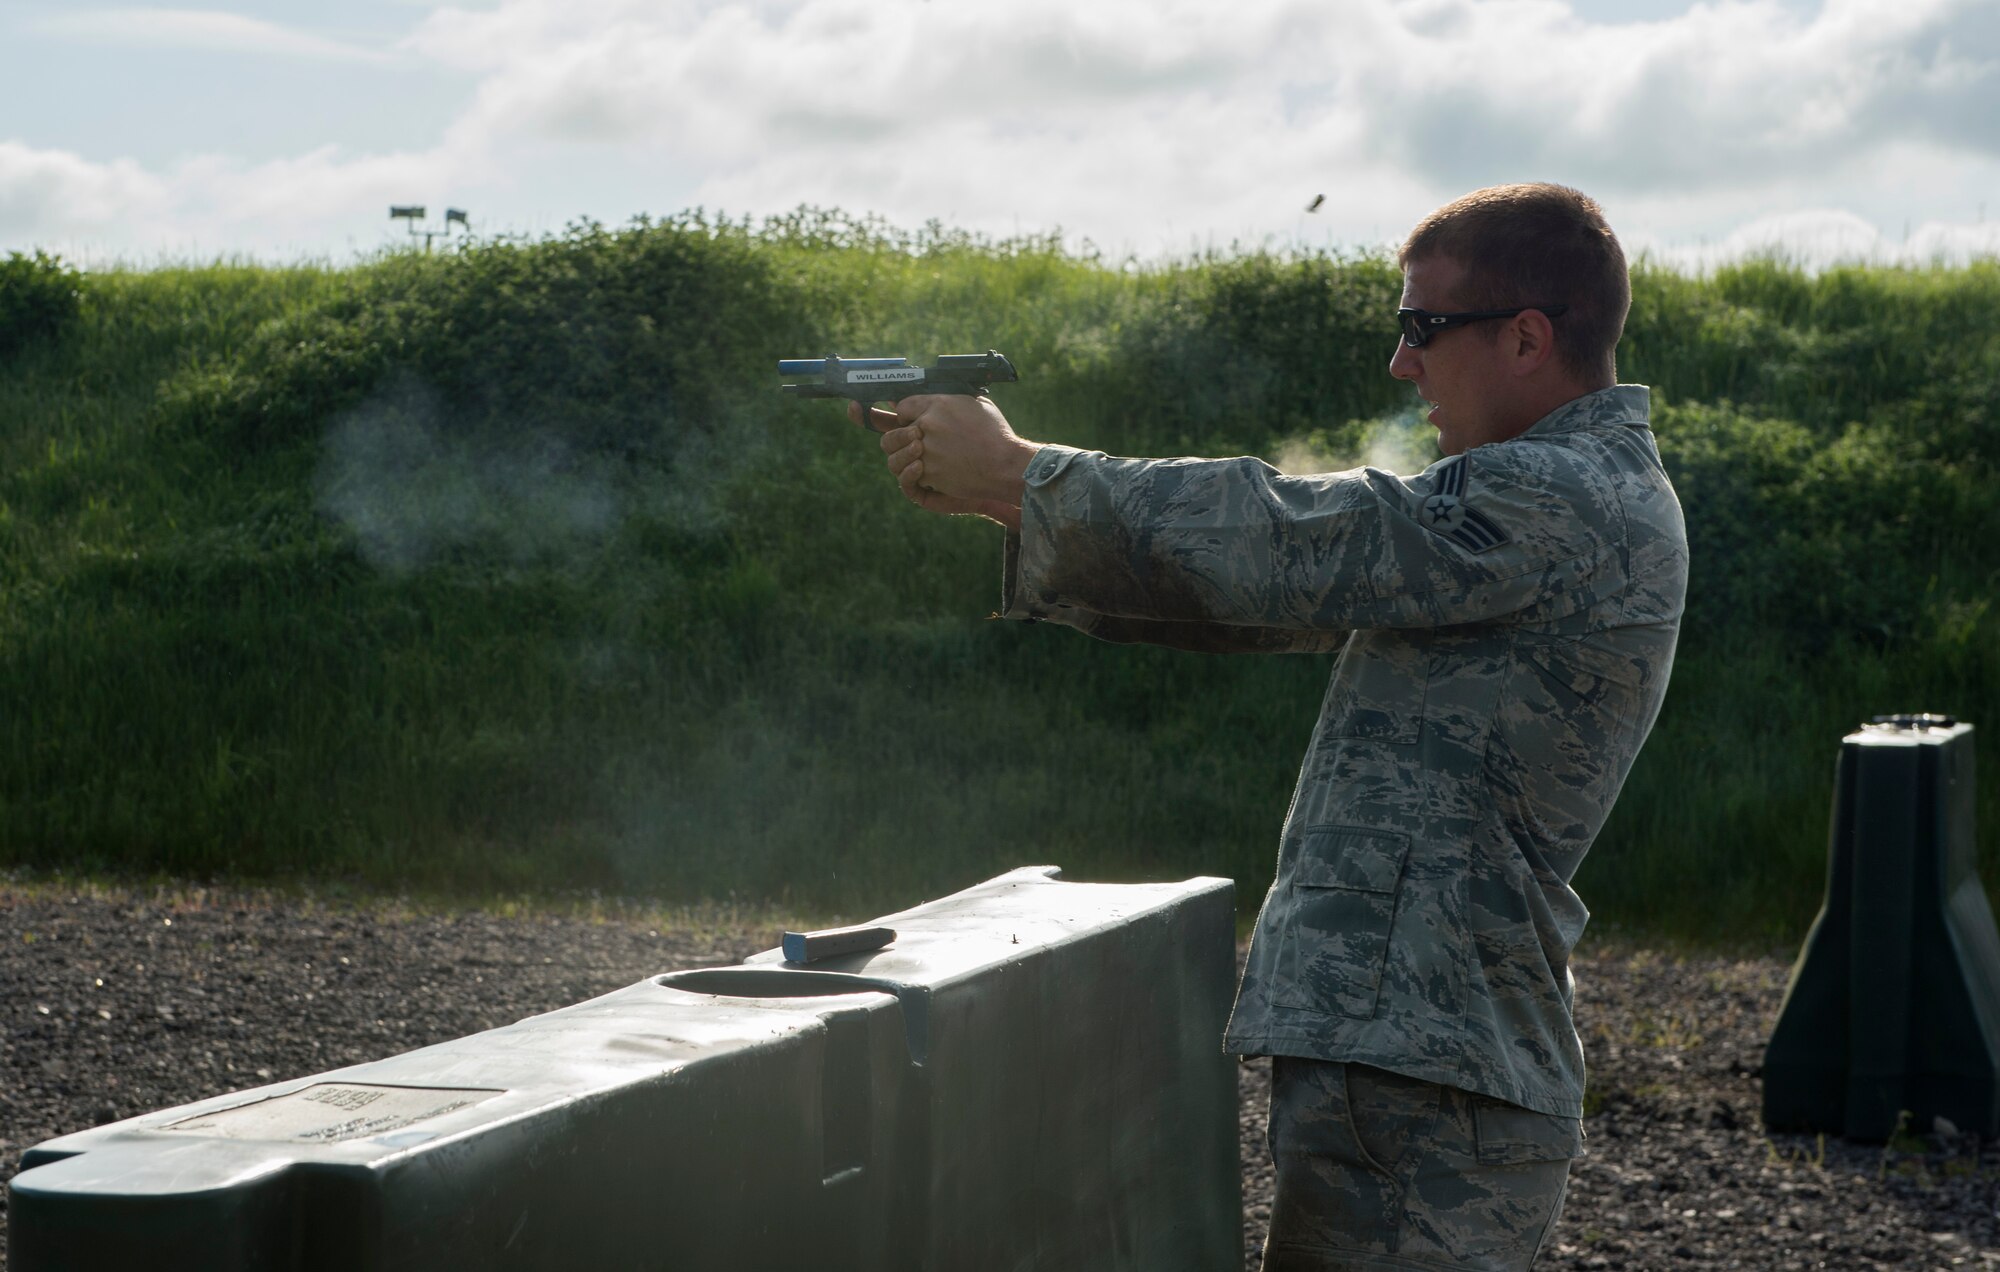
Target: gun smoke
<point>415,491</point>
<point>1402,443</point>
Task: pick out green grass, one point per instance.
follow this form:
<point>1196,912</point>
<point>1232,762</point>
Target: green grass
<point>509,571</point>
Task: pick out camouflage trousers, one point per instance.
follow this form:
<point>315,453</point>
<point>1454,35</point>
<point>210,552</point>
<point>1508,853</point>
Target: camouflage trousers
<point>1379,1171</point>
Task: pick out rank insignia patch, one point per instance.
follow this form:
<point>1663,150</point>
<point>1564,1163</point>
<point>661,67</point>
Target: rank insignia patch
<point>1447,513</point>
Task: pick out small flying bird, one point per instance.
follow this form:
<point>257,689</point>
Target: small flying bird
<point>1314,205</point>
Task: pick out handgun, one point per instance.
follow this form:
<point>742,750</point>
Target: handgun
<point>872,380</point>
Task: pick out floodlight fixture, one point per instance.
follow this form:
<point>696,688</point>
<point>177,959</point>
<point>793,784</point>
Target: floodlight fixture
<point>414,213</point>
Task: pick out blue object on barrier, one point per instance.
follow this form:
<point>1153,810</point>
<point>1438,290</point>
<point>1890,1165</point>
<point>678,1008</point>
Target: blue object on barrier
<point>1031,1077</point>
<point>813,947</point>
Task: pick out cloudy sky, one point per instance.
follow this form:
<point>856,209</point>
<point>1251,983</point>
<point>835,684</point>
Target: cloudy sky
<point>285,129</point>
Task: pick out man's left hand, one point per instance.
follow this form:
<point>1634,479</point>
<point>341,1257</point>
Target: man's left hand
<point>955,454</point>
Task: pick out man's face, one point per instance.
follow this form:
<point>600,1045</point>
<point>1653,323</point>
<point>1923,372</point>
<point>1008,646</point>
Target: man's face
<point>1460,372</point>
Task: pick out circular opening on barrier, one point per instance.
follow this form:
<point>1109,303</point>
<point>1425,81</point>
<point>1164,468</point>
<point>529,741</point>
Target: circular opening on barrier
<point>768,982</point>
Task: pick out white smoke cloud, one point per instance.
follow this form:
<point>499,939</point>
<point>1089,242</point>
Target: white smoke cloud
<point>1401,442</point>
<point>409,491</point>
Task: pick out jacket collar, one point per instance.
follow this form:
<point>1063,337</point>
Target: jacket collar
<point>1626,404</point>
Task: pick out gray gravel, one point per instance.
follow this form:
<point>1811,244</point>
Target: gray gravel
<point>116,1001</point>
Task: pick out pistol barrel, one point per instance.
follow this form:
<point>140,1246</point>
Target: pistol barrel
<point>887,379</point>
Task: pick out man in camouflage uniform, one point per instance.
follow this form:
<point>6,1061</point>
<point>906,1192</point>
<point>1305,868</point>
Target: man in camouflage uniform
<point>1506,621</point>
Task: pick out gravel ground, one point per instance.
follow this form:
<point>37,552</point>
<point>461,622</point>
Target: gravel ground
<point>114,1002</point>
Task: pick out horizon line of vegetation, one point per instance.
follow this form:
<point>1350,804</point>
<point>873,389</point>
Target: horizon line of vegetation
<point>508,568</point>
<point>833,228</point>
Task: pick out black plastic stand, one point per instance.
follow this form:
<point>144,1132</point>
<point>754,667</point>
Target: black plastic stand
<point>1892,1016</point>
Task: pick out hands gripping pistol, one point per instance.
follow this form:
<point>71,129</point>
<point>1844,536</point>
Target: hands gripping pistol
<point>872,380</point>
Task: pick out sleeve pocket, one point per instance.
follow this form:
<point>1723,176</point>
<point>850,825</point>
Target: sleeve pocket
<point>1343,857</point>
<point>1343,903</point>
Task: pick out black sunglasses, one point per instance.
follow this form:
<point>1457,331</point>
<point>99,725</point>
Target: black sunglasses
<point>1419,325</point>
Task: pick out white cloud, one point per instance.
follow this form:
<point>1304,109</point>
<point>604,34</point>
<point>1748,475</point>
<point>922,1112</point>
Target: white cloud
<point>210,205</point>
<point>1819,238</point>
<point>208,29</point>
<point>1155,126</point>
<point>1728,95</point>
<point>1051,112</point>
<point>41,190</point>
<point>715,80</point>
<point>1897,190</point>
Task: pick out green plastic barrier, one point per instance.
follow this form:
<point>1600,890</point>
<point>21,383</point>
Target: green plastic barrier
<point>1031,1076</point>
<point>1892,1016</point>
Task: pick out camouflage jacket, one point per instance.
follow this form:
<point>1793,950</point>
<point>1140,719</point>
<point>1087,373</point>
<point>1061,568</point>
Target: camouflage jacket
<point>1506,623</point>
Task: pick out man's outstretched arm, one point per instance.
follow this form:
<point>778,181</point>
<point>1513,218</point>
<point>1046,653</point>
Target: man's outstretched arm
<point>967,446</point>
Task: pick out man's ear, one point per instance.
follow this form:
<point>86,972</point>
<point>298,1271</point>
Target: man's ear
<point>1530,342</point>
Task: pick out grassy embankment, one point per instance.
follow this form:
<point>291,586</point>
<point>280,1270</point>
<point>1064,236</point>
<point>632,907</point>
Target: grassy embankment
<point>511,570</point>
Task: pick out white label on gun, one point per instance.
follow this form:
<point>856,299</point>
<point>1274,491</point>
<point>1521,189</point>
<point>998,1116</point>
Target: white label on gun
<point>885,375</point>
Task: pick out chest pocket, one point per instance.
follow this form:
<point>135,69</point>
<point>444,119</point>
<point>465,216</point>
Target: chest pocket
<point>1378,691</point>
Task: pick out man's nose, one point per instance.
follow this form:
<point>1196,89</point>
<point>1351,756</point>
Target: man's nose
<point>1405,362</point>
